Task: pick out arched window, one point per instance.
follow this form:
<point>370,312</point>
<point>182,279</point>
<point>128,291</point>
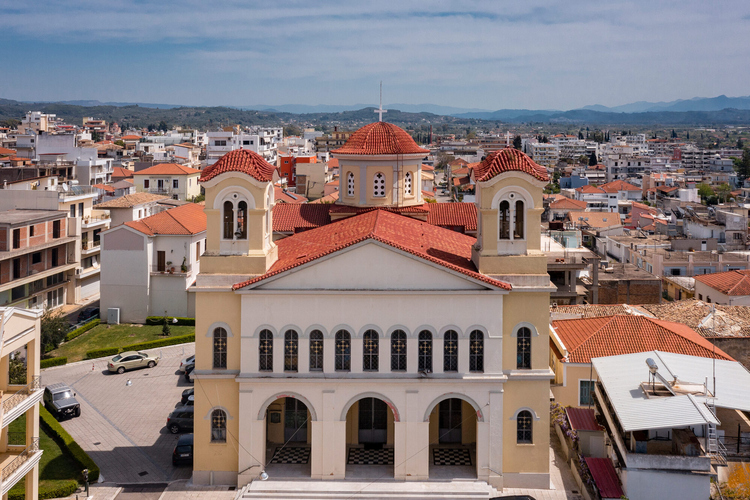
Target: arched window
<point>378,185</point>
<point>523,427</point>
<point>407,184</point>
<point>518,218</point>
<point>218,426</point>
<point>220,348</point>
<point>228,220</point>
<point>350,184</point>
<point>398,351</point>
<point>343,351</point>
<point>370,351</point>
<point>523,348</point>
<point>476,351</point>
<point>290,351</point>
<point>265,347</point>
<point>316,351</point>
<point>450,351</point>
<point>425,351</point>
<point>241,231</point>
<point>504,220</point>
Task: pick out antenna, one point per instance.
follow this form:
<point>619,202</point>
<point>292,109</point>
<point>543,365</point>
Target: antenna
<point>380,111</point>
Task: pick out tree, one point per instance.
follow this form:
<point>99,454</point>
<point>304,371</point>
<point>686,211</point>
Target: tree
<point>742,165</point>
<point>17,369</point>
<point>291,130</point>
<point>443,159</point>
<point>165,330</point>
<point>53,326</point>
<point>740,145</point>
<point>723,191</point>
<point>580,135</point>
<point>674,135</point>
<point>592,159</point>
<point>687,136</point>
<point>120,143</point>
<point>705,191</point>
<point>163,126</point>
<point>517,142</point>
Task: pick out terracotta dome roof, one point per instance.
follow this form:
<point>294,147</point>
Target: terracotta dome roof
<point>380,138</point>
<point>507,160</point>
<point>240,160</point>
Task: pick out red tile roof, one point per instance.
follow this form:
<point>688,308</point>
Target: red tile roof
<point>7,152</point>
<point>453,214</point>
<point>596,220</point>
<point>622,334</point>
<point>583,419</point>
<point>120,172</point>
<point>241,160</point>
<point>104,187</point>
<point>617,186</point>
<point>329,198</point>
<point>282,196</point>
<point>426,167</point>
<point>589,189</point>
<point>290,218</point>
<point>507,160</point>
<point>435,244</point>
<point>131,137</point>
<point>380,138</point>
<point>185,219</point>
<point>734,283</point>
<point>605,477</point>
<point>168,169</point>
<point>346,209</point>
<point>567,203</point>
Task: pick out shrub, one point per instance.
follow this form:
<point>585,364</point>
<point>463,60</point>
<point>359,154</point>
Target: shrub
<point>57,490</point>
<point>53,326</point>
<point>68,444</point>
<point>81,330</point>
<point>159,320</point>
<point>59,361</point>
<point>101,353</point>
<point>180,339</point>
<point>165,330</point>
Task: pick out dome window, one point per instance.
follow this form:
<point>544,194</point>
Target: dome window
<point>407,184</point>
<point>378,187</point>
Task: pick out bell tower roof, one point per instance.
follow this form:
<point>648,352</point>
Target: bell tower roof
<point>380,138</point>
<point>507,160</point>
<point>240,160</point>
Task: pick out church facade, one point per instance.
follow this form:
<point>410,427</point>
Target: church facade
<point>377,340</point>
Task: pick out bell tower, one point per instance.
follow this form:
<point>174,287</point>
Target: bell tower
<point>239,203</point>
<point>509,190</point>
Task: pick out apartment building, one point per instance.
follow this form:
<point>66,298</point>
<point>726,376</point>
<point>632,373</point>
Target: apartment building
<point>177,181</point>
<point>263,141</point>
<point>334,140</point>
<point>544,154</point>
<point>36,122</point>
<point>39,253</point>
<point>19,456</point>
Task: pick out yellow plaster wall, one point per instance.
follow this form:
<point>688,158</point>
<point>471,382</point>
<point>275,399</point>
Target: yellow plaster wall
<point>352,426</point>
<point>208,394</point>
<point>568,395</point>
<point>255,216</point>
<point>344,184</point>
<point>468,424</point>
<point>387,171</point>
<point>533,214</point>
<point>529,308</point>
<point>213,307</point>
<point>526,457</point>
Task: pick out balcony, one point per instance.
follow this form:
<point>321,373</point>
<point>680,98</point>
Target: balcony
<point>15,404</point>
<point>74,191</point>
<point>16,464</point>
<point>90,246</point>
<point>156,270</point>
<point>94,221</point>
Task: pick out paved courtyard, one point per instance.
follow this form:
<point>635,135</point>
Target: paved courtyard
<point>123,427</point>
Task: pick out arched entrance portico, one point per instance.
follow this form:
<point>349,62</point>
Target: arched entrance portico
<point>369,436</point>
<point>288,437</point>
<point>453,437</point>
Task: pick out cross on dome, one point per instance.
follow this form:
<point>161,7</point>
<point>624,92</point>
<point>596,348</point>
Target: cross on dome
<point>380,111</point>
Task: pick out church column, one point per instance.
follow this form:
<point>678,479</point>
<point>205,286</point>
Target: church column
<point>412,354</point>
<point>328,452</point>
<point>463,355</point>
<point>492,432</point>
<point>303,354</point>
<point>252,439</point>
<point>437,354</point>
<point>411,442</point>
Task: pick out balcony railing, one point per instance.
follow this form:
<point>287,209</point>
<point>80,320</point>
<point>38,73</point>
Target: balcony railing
<point>94,219</point>
<point>21,459</point>
<point>75,191</point>
<point>19,396</point>
<point>90,245</point>
<point>177,269</point>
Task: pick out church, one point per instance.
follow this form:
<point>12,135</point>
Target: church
<point>377,345</point>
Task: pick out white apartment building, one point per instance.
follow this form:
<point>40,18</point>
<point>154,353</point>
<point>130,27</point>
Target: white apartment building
<point>545,154</point>
<point>262,141</point>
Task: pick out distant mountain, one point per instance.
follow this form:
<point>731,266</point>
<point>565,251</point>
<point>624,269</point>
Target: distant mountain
<point>694,104</point>
<point>505,114</point>
<point>91,103</point>
<point>435,109</point>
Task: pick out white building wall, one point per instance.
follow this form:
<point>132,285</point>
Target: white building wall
<point>641,484</point>
<point>124,275</point>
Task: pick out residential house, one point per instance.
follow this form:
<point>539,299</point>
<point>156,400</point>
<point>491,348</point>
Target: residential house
<point>176,181</point>
<point>132,207</point>
<point>559,209</point>
<point>148,265</point>
<point>730,288</point>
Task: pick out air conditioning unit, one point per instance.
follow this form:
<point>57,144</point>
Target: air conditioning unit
<point>113,316</point>
<point>78,270</point>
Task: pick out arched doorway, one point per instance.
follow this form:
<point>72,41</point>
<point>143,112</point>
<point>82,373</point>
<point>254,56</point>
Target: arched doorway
<point>288,438</point>
<point>453,439</point>
<point>369,438</point>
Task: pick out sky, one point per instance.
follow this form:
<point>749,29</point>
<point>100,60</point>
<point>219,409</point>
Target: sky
<point>495,54</point>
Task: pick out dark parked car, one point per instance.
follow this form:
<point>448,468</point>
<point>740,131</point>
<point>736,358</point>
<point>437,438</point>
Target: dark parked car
<point>180,420</point>
<point>186,394</point>
<point>188,371</point>
<point>60,401</point>
<point>183,452</point>
<point>88,313</point>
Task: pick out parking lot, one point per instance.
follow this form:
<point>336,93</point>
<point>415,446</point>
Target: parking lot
<point>123,427</point>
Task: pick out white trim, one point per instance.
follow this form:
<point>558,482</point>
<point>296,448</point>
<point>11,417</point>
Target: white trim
<point>456,329</point>
<point>391,405</point>
<point>454,395</point>
<point>348,329</point>
<point>389,331</point>
<point>376,328</point>
<point>273,331</point>
<point>524,324</point>
<point>219,324</point>
<point>293,395</point>
<point>525,408</point>
<point>218,407</point>
<point>311,328</point>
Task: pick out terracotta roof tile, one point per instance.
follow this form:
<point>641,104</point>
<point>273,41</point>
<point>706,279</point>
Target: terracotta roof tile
<point>282,196</point>
<point>596,219</point>
<point>121,172</point>
<point>241,160</point>
<point>7,152</point>
<point>621,334</point>
<point>380,138</point>
<point>104,187</point>
<point>453,214</point>
<point>185,219</point>
<point>131,137</point>
<point>507,160</point>
<point>330,198</point>
<point>617,186</point>
<point>437,245</point>
<point>567,203</point>
<point>290,218</point>
<point>734,283</point>
<point>589,189</point>
<point>168,169</point>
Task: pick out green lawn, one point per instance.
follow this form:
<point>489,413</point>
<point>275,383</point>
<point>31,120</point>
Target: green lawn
<point>114,336</point>
<point>54,467</point>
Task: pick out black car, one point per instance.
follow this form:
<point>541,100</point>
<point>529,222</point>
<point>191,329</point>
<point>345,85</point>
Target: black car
<point>88,313</point>
<point>188,370</point>
<point>59,400</point>
<point>183,452</point>
<point>186,394</point>
<point>180,420</point>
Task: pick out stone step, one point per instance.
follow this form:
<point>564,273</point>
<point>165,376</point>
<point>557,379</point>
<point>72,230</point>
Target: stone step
<point>361,490</point>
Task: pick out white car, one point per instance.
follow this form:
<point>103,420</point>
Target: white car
<point>190,360</point>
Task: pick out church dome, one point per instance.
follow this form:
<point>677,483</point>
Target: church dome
<point>380,138</point>
<point>507,160</point>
